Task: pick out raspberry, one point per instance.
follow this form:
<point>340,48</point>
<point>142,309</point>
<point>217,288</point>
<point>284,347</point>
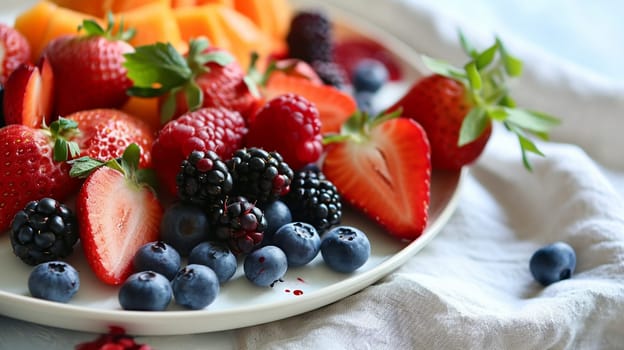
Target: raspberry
<point>310,37</point>
<point>299,140</point>
<point>207,129</point>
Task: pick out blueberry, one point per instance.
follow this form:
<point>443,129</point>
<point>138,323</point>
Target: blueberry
<point>265,265</point>
<point>345,248</point>
<point>159,257</point>
<point>364,100</point>
<point>553,263</point>
<point>369,75</point>
<point>145,291</point>
<point>195,286</point>
<point>299,241</point>
<point>54,280</point>
<point>276,214</point>
<point>216,256</point>
<point>183,226</point>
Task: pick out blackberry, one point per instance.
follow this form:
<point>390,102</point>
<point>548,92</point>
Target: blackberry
<point>44,230</point>
<point>314,199</point>
<point>310,37</point>
<point>259,176</point>
<point>330,73</point>
<point>241,226</point>
<point>204,180</point>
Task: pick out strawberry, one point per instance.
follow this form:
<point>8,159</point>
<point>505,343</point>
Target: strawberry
<point>14,50</point>
<point>33,166</point>
<point>28,95</point>
<point>299,139</point>
<point>206,129</point>
<point>91,67</point>
<point>382,167</point>
<point>456,107</point>
<point>105,134</point>
<point>334,106</point>
<point>117,212</point>
<point>207,77</point>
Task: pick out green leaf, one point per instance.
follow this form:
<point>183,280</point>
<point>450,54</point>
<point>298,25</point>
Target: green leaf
<point>532,121</point>
<point>194,96</point>
<point>467,46</point>
<point>486,57</point>
<point>92,28</point>
<point>250,81</point>
<point>513,66</point>
<point>474,77</point>
<point>473,126</point>
<point>60,150</point>
<point>156,69</point>
<point>84,166</point>
<point>443,68</point>
<point>167,109</point>
<point>131,157</point>
<point>221,58</point>
<point>497,114</point>
<point>147,176</point>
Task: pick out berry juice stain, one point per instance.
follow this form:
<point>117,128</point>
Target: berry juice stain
<point>297,292</point>
<point>300,280</point>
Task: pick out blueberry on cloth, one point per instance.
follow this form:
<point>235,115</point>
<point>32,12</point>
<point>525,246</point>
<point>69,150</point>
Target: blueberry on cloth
<point>195,286</point>
<point>54,280</point>
<point>159,257</point>
<point>553,263</point>
<point>265,265</point>
<point>216,256</point>
<point>145,291</point>
<point>345,248</point>
<point>299,241</point>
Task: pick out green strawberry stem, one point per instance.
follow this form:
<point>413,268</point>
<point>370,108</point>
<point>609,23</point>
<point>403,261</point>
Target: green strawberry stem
<point>60,131</point>
<point>485,79</point>
<point>358,127</point>
<point>160,69</point>
<point>128,165</point>
<point>92,28</point>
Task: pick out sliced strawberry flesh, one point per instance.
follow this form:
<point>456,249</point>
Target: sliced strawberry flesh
<point>116,219</point>
<point>28,95</point>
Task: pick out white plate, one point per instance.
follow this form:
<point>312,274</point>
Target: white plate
<point>95,306</point>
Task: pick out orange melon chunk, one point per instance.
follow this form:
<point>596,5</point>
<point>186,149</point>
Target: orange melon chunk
<point>153,23</point>
<point>145,109</point>
<point>229,3</point>
<point>271,16</point>
<point>202,21</point>
<point>117,6</point>
<point>96,8</point>
<point>33,23</point>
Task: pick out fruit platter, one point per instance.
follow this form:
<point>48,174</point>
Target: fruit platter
<point>177,167</point>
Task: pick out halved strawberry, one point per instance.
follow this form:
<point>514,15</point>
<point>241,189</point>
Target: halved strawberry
<point>28,95</point>
<point>334,106</point>
<point>117,213</point>
<point>382,167</point>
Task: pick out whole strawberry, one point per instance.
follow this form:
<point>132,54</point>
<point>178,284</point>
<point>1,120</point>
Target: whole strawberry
<point>299,139</point>
<point>382,167</point>
<point>14,50</point>
<point>456,107</point>
<point>207,77</point>
<point>105,134</point>
<point>33,166</point>
<point>207,129</point>
<point>91,67</point>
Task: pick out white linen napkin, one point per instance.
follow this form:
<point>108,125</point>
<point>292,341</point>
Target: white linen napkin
<point>471,288</point>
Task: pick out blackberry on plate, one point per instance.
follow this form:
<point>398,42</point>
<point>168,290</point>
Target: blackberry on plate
<point>314,199</point>
<point>44,230</point>
<point>204,180</point>
<point>259,176</point>
<point>241,226</point>
<point>310,37</point>
<point>330,73</point>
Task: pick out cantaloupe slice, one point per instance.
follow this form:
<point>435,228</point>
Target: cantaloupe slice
<point>153,23</point>
<point>202,21</point>
<point>183,3</point>
<point>229,3</point>
<point>244,35</point>
<point>33,23</point>
<point>145,109</point>
<point>96,8</point>
<point>271,16</point>
<point>117,6</point>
